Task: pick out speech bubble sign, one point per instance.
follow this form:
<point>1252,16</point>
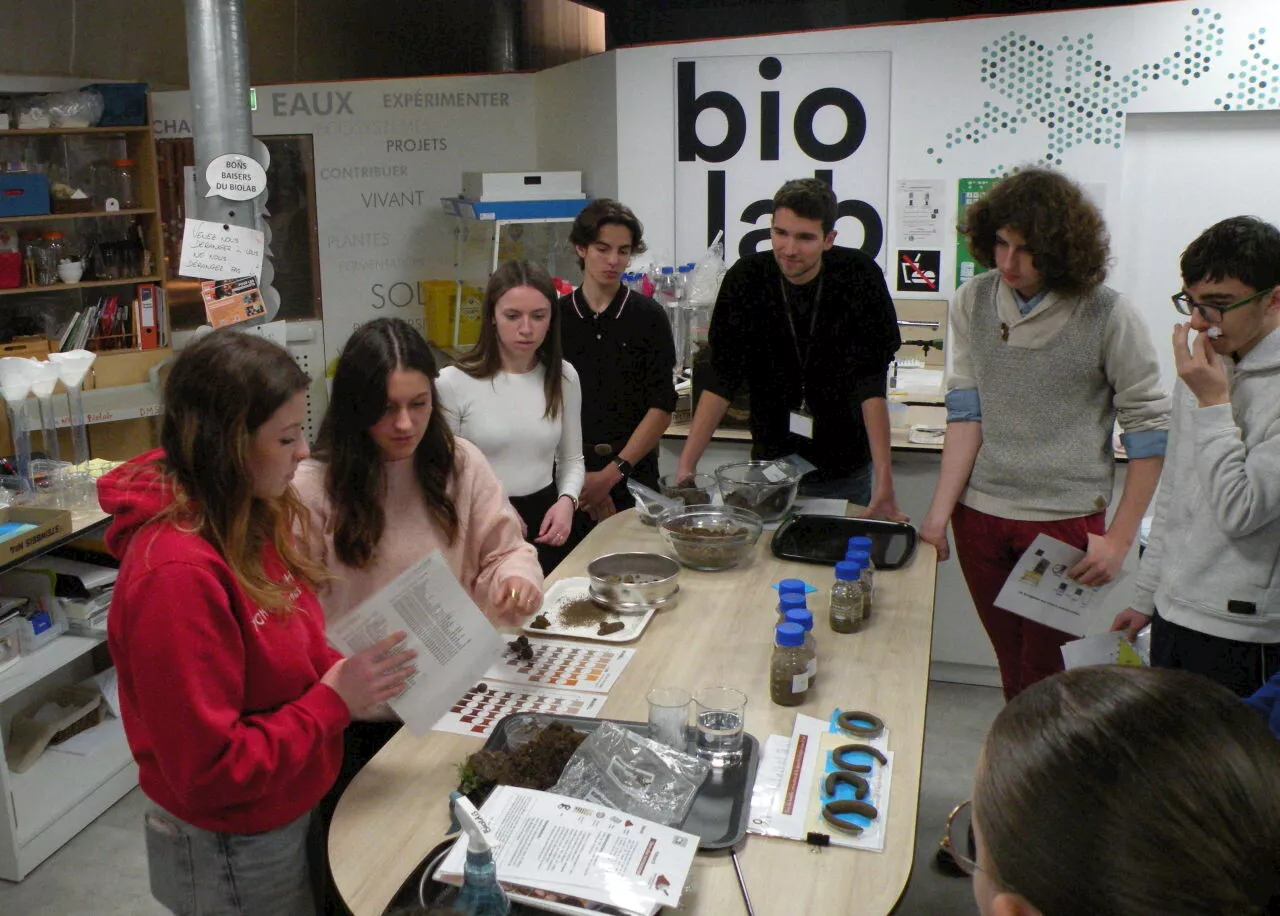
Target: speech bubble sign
<point>235,177</point>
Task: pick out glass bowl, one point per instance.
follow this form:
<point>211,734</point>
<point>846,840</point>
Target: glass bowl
<point>710,537</point>
<point>695,490</point>
<point>767,488</point>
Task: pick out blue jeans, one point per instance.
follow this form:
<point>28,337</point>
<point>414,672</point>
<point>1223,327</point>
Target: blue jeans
<point>197,872</point>
<point>856,488</point>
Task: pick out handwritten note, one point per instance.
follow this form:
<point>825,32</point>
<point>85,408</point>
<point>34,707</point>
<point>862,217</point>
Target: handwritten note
<point>220,251</point>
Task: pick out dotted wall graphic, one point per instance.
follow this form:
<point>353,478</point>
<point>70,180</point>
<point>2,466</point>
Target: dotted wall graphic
<point>1255,80</point>
<point>1072,98</point>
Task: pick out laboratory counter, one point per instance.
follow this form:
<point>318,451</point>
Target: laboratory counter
<point>719,630</point>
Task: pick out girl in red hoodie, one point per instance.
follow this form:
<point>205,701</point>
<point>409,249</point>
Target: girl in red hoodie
<point>233,703</point>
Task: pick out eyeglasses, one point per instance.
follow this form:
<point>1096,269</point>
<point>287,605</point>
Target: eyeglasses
<point>1183,302</point>
<point>960,821</point>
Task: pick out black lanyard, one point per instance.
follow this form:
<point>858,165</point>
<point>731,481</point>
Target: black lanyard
<point>801,357</point>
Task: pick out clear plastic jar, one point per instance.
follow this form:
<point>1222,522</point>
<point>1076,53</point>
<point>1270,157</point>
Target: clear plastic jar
<point>863,558</point>
<point>788,667</point>
<point>126,184</point>
<point>804,619</point>
<point>847,598</point>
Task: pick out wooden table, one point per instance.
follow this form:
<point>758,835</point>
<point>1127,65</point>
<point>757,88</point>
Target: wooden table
<point>718,631</point>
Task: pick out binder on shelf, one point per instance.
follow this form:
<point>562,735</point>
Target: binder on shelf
<point>148,316</point>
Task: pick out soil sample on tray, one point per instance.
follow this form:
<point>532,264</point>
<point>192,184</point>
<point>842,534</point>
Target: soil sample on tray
<point>536,764</point>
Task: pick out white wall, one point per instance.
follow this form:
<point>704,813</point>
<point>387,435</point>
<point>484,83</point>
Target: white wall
<point>1183,173</point>
<point>577,122</point>
<point>386,151</point>
<point>938,88</point>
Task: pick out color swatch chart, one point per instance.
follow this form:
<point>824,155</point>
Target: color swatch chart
<point>563,678</point>
<point>564,664</point>
<point>488,702</point>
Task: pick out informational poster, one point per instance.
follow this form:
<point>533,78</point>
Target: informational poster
<point>918,270</point>
<point>971,190</point>
<point>918,212</point>
<point>745,124</point>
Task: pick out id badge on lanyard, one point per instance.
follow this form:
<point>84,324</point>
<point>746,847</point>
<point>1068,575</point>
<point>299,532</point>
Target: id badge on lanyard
<point>800,421</point>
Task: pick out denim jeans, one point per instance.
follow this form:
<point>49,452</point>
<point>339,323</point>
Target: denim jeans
<point>856,488</point>
<point>197,872</point>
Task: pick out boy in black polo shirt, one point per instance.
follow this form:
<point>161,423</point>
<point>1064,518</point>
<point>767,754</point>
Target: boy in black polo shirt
<point>621,345</point>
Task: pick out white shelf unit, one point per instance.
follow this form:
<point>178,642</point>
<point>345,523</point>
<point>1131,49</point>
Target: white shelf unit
<point>61,793</point>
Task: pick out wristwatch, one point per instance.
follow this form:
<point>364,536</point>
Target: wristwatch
<point>623,465</point>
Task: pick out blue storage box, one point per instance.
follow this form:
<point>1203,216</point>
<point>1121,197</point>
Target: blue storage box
<point>24,194</point>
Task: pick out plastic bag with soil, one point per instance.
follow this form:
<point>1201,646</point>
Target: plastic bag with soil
<point>619,769</point>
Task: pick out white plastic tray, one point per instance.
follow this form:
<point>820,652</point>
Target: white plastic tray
<point>565,591</point>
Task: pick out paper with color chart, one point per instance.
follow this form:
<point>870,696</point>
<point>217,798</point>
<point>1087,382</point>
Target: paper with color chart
<point>575,847</point>
<point>563,664</point>
<point>487,703</point>
<point>1038,588</point>
<point>454,640</point>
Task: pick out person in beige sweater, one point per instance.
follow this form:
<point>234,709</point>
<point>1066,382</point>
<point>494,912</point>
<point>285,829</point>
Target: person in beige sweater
<point>389,485</point>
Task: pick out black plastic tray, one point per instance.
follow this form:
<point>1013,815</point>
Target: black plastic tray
<point>722,807</point>
<point>825,539</point>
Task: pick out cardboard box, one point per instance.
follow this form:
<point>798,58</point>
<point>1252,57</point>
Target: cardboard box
<point>24,194</point>
<point>490,186</point>
<point>51,524</point>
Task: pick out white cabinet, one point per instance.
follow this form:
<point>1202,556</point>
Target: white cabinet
<point>61,793</point>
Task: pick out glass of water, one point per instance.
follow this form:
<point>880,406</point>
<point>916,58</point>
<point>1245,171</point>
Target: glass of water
<point>669,716</point>
<point>721,712</point>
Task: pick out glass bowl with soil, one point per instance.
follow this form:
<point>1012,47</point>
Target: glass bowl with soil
<point>767,488</point>
<point>710,538</point>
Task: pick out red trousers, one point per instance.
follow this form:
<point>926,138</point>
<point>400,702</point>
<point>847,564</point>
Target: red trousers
<point>988,547</point>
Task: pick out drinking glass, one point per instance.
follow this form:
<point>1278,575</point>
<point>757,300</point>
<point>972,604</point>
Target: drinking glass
<point>721,713</point>
<point>669,716</point>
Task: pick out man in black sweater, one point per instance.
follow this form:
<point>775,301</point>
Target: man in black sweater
<point>810,329</point>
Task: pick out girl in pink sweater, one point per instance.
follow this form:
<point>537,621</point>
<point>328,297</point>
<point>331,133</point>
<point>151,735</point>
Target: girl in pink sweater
<point>390,486</point>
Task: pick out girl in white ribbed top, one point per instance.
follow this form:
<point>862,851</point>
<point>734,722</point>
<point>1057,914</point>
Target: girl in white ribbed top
<point>520,403</point>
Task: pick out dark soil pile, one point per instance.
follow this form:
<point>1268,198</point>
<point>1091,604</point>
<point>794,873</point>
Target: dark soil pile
<point>536,764</point>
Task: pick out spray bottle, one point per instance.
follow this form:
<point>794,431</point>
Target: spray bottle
<point>481,894</point>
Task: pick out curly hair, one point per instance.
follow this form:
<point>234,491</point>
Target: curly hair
<point>1064,230</point>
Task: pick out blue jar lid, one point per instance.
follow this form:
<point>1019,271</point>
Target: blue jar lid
<point>792,585</point>
<point>860,542</point>
<point>802,617</point>
<point>791,600</point>
<point>848,571</point>
<point>789,634</point>
<point>856,555</point>
<point>668,270</point>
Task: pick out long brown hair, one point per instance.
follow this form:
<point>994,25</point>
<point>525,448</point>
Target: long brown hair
<point>485,359</point>
<point>355,480</point>
<point>221,389</point>
<point>1131,792</point>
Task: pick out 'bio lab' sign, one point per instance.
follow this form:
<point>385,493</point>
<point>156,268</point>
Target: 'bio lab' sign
<point>744,125</point>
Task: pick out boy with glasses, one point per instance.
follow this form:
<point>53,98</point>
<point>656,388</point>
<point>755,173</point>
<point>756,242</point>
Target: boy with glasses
<point>1209,581</point>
